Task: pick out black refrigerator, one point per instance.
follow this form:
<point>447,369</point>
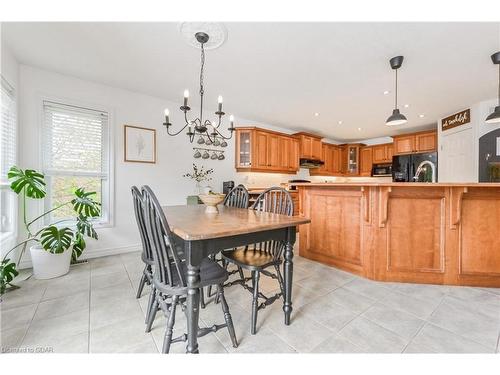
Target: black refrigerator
<point>404,167</point>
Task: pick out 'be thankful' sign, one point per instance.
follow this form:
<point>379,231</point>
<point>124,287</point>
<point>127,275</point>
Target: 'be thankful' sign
<point>455,120</point>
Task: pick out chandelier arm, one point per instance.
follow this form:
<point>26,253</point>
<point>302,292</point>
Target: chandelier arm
<point>177,133</point>
<point>223,136</point>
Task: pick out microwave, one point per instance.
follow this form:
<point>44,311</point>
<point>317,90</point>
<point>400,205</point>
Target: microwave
<point>382,170</point>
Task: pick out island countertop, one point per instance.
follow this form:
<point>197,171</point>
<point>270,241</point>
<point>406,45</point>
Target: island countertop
<point>438,233</point>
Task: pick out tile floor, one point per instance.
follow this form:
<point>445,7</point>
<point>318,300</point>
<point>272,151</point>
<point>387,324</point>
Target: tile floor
<point>93,309</point>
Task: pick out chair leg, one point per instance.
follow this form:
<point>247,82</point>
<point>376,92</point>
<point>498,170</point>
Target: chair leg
<point>240,271</point>
<point>152,312</point>
<point>170,326</point>
<point>255,301</point>
<point>151,302</point>
<point>202,298</point>
<point>227,315</point>
<point>141,283</point>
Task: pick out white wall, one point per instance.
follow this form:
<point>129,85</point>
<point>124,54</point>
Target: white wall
<point>174,154</point>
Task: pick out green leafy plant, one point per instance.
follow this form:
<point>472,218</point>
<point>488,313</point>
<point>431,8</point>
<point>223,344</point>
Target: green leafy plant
<point>53,237</point>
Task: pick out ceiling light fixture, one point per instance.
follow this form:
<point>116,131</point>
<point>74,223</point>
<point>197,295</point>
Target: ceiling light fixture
<point>421,116</point>
<point>386,92</point>
<point>359,129</point>
<point>407,106</point>
<point>396,118</point>
<point>198,126</point>
<point>494,118</point>
<point>316,114</point>
<point>340,122</point>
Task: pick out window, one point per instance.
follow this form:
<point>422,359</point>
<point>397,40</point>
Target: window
<point>75,154</point>
<point>8,142</point>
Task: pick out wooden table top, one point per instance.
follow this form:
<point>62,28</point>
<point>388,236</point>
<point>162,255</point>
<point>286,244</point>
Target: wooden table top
<point>192,223</point>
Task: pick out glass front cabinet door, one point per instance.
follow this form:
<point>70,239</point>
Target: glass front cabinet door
<point>244,149</point>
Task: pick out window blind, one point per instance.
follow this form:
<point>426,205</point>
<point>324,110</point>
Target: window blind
<point>74,141</point>
<point>8,135</point>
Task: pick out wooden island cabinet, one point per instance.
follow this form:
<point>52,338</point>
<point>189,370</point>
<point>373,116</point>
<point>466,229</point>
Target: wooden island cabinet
<point>405,232</point>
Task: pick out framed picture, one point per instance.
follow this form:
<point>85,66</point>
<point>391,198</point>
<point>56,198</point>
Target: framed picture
<point>140,144</point>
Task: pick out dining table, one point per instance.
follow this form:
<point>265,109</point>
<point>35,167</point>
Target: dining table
<point>202,234</point>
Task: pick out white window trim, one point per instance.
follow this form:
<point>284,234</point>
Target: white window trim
<point>110,196</point>
<point>7,238</point>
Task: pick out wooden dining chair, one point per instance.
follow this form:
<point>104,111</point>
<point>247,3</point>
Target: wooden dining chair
<point>147,252</point>
<point>238,197</point>
<point>260,257</point>
<point>170,275</point>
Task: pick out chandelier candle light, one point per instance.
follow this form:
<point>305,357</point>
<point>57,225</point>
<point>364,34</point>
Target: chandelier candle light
<point>199,126</point>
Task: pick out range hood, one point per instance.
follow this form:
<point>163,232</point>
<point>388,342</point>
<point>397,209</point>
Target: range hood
<point>311,163</point>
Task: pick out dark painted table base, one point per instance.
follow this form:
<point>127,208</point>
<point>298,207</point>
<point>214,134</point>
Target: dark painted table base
<point>196,250</point>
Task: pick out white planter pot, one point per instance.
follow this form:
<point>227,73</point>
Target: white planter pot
<point>47,265</point>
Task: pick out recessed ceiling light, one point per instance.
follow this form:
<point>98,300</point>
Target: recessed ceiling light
<point>421,115</point>
<point>340,122</point>
<point>407,105</point>
<point>359,129</point>
<point>316,114</point>
<point>387,92</point>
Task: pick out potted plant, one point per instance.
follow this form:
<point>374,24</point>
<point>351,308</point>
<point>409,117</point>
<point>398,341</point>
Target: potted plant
<point>54,246</point>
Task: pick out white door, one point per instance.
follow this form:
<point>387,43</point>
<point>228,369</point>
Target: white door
<point>456,157</point>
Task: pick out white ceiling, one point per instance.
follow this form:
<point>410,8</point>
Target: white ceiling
<point>282,73</point>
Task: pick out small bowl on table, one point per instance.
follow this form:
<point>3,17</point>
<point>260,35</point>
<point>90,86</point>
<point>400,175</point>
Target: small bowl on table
<point>211,201</point>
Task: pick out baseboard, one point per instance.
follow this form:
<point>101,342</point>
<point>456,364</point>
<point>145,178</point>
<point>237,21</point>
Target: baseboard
<point>97,253</point>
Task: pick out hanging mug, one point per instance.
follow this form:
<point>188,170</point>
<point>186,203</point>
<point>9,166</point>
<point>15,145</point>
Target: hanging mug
<point>201,141</point>
<point>197,154</point>
<point>216,142</point>
<point>221,157</point>
<point>205,155</point>
<point>223,144</point>
<point>214,156</point>
<point>208,142</point>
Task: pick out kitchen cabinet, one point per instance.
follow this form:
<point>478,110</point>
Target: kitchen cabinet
<point>260,150</point>
<point>351,158</point>
<point>310,146</point>
<point>382,153</point>
<point>366,161</point>
<point>331,155</point>
<point>416,142</point>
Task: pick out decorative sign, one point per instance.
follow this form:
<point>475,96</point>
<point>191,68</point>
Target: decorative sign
<point>455,120</point>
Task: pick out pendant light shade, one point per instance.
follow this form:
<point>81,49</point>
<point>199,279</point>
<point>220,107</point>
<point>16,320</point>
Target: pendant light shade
<point>396,118</point>
<point>494,118</point>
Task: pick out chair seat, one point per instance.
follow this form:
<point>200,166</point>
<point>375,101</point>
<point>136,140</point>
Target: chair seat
<point>211,273</point>
<point>250,259</point>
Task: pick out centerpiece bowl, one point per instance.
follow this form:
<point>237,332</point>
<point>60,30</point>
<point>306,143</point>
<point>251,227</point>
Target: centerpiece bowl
<point>211,201</point>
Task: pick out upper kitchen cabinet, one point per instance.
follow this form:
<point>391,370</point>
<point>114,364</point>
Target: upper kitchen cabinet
<point>260,150</point>
<point>382,153</point>
<point>366,155</point>
<point>416,142</point>
<point>310,146</point>
<point>331,158</point>
<point>351,158</point>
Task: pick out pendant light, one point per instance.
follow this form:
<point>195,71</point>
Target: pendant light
<point>396,118</point>
<point>494,118</point>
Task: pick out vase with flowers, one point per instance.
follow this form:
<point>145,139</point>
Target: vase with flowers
<point>200,175</point>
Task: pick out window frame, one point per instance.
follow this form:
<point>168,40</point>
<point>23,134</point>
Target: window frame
<point>7,237</point>
<point>108,193</point>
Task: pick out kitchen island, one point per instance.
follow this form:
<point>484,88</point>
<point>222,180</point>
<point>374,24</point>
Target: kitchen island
<point>438,233</point>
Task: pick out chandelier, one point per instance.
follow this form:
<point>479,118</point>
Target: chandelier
<point>200,126</point>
